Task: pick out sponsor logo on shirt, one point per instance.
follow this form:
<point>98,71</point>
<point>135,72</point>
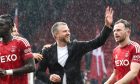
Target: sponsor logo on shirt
<point>8,58</point>
<point>122,62</point>
<point>136,57</point>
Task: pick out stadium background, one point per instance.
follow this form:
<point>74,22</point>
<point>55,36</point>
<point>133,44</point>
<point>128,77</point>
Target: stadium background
<point>85,18</point>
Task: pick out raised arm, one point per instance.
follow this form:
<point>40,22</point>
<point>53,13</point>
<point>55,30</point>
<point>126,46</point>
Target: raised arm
<point>102,37</point>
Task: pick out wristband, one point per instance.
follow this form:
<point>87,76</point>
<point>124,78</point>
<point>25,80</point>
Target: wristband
<point>9,72</point>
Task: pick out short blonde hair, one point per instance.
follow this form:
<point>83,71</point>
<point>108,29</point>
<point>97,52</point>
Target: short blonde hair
<point>54,28</point>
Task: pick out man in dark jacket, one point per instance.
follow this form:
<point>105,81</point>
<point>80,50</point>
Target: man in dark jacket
<point>63,57</point>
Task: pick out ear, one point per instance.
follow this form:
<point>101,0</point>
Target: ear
<point>55,34</point>
<point>129,31</point>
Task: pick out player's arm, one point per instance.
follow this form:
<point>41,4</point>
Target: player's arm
<point>27,57</point>
<point>111,79</point>
<point>28,67</point>
<point>134,70</point>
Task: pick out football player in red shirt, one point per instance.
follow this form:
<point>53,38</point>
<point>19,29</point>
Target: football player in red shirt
<point>126,56</point>
<point>16,59</point>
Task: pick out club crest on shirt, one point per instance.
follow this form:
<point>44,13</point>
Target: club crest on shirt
<point>13,49</point>
<point>127,54</point>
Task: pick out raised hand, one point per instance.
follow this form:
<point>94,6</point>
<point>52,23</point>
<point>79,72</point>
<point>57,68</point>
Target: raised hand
<point>109,16</point>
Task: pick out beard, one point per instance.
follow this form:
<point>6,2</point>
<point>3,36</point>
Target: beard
<point>121,40</point>
<point>66,39</point>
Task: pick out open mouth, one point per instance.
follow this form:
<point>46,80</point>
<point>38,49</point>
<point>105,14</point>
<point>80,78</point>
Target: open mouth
<point>117,36</point>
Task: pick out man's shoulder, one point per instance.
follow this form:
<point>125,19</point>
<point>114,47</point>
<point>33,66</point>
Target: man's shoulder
<point>21,40</point>
<point>46,49</point>
<point>18,38</point>
<point>133,43</point>
<point>135,46</point>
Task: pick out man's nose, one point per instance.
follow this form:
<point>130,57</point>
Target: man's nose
<point>68,32</point>
<point>115,33</point>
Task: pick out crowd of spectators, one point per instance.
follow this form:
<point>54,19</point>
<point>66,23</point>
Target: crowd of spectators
<point>82,16</point>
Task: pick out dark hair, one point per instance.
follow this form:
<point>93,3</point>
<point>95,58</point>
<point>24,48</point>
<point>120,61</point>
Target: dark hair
<point>8,19</point>
<point>125,22</point>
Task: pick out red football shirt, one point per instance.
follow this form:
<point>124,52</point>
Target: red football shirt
<point>12,56</point>
<point>122,59</point>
